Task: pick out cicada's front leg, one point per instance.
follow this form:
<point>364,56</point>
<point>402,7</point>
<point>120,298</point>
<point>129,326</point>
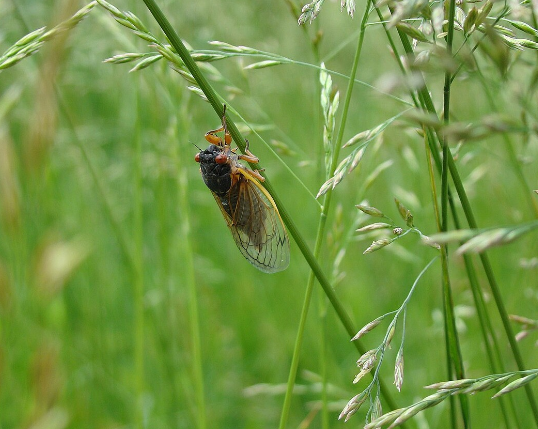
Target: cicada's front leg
<point>212,137</point>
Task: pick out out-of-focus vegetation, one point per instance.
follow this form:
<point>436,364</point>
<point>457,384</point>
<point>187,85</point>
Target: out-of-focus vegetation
<point>123,299</point>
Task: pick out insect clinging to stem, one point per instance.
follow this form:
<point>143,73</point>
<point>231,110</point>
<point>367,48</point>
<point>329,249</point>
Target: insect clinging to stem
<point>247,207</point>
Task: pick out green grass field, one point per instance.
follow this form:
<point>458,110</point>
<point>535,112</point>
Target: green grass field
<point>124,301</point>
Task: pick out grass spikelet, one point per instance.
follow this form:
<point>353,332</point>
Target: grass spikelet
<point>310,11</point>
<point>483,13</point>
<point>477,241</point>
<point>370,211</point>
<point>449,388</point>
<point>32,42</point>
<point>376,245</point>
<point>405,214</point>
<point>349,5</point>
<point>374,226</point>
<point>367,136</point>
<point>353,406</point>
<point>413,32</point>
<point>263,64</point>
<point>125,58</point>
<point>516,384</point>
<point>406,9</point>
<point>399,370</point>
<point>470,21</point>
<point>146,62</point>
<point>329,99</point>
<point>367,328</point>
<point>377,409</point>
<point>196,90</point>
<point>524,320</point>
<point>523,26</point>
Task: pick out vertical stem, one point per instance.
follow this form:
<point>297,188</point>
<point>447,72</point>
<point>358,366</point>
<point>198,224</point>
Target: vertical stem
<point>454,350</point>
<point>194,318</point>
<point>321,232</point>
<point>187,271</point>
<point>138,280</point>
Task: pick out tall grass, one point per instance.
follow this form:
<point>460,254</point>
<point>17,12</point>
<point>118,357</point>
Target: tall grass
<point>123,301</point>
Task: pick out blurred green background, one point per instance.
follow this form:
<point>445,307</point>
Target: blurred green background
<point>106,222</point>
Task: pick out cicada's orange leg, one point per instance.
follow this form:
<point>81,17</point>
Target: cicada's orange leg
<point>257,175</point>
<point>253,159</point>
<point>249,156</point>
<point>212,137</point>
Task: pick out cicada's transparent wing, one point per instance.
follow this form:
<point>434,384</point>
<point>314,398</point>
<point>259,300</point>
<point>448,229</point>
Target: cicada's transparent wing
<point>256,225</point>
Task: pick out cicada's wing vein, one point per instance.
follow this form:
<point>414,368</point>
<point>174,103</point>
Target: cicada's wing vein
<point>256,226</point>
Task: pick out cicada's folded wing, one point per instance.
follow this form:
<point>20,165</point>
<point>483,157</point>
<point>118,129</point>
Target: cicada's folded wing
<point>256,225</point>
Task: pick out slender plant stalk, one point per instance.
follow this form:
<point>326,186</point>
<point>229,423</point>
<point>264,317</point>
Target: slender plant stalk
<point>295,358</point>
<point>138,280</point>
<point>488,335</point>
<point>443,257</point>
<point>322,302</point>
<point>322,312</point>
<point>321,228</point>
<point>194,318</point>
<point>454,349</point>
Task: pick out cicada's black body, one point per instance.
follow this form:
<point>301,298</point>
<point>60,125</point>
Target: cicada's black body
<point>216,176</point>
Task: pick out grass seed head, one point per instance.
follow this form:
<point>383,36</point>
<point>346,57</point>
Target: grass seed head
<point>372,211</point>
<point>374,226</point>
<point>399,370</point>
<point>376,245</point>
<point>366,328</point>
<point>368,359</point>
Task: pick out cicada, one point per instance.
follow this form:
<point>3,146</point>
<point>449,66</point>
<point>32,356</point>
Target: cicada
<point>247,207</point>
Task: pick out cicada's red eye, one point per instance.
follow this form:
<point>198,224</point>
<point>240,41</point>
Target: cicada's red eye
<point>197,157</point>
<point>221,158</point>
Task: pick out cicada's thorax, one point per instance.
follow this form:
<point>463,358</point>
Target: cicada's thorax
<point>216,175</point>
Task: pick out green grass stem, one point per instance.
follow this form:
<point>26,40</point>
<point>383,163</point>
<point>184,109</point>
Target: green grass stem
<point>190,280</point>
<point>453,350</point>
<point>327,198</point>
<point>138,278</point>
